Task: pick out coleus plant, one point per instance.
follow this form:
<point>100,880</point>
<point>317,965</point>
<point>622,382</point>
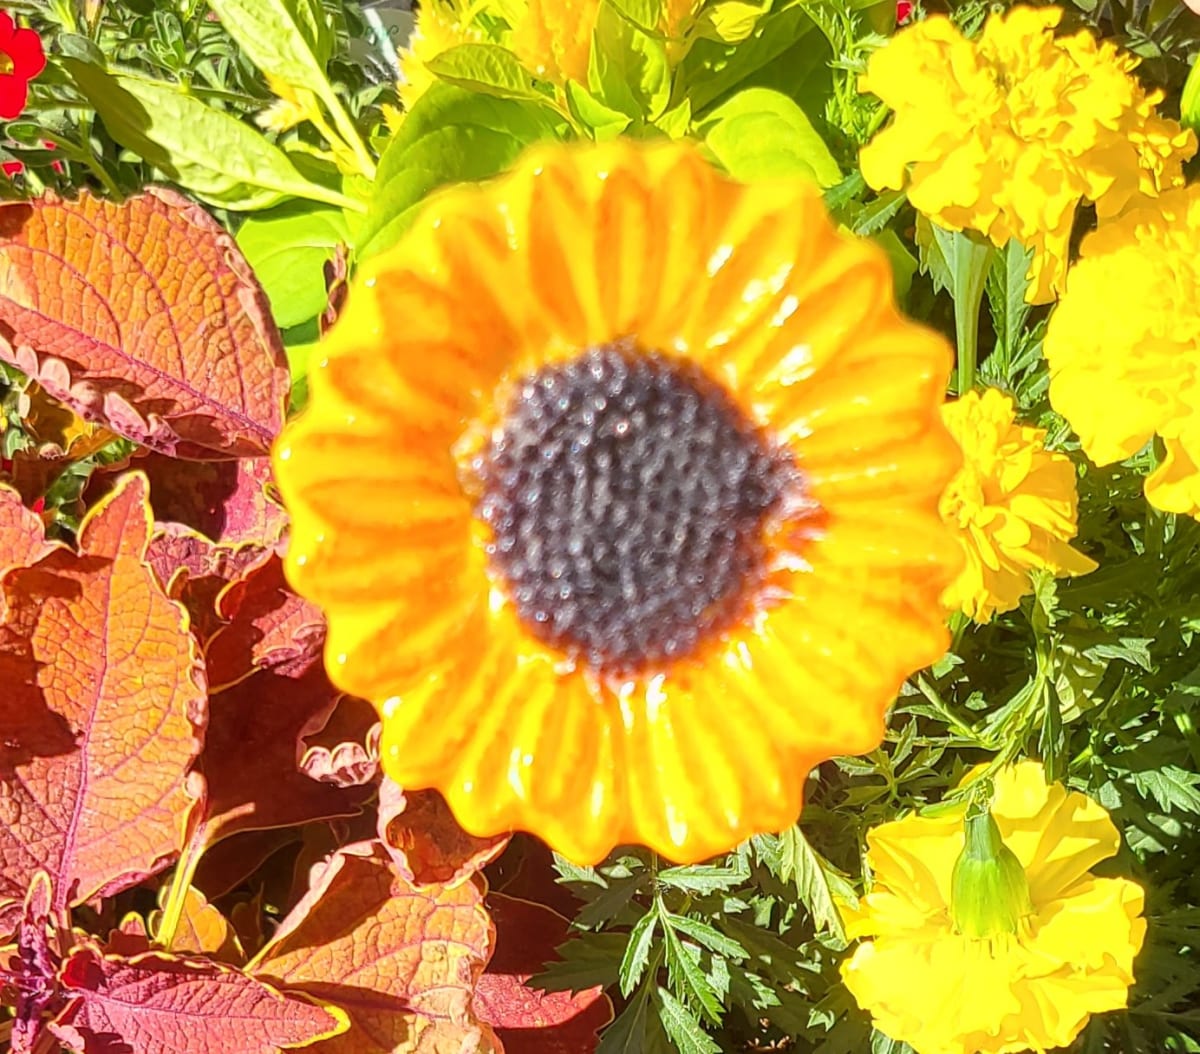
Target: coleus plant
<point>165,698</point>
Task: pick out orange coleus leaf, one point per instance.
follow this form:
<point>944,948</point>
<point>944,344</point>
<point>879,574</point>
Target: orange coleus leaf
<point>424,840</point>
<point>527,1020</point>
<point>101,713</point>
<point>269,627</point>
<point>402,961</point>
<point>253,748</point>
<point>144,316</point>
<point>162,1004</point>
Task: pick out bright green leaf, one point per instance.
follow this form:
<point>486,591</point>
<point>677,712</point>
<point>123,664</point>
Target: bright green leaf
<point>605,123</point>
<point>486,68</point>
<point>644,13</point>
<point>288,247</point>
<point>762,134</point>
<point>686,977</point>
<point>289,40</point>
<point>685,1031</point>
<point>731,21</point>
<point>814,880</point>
<point>637,952</point>
<point>627,69</point>
<point>451,135</point>
<point>704,934</point>
<point>220,159</point>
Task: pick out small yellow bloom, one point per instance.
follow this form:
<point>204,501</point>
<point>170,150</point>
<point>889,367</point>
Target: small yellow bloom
<point>554,38</point>
<point>1009,133</point>
<point>1124,345</point>
<point>1013,505</point>
<point>439,28</point>
<point>943,992</point>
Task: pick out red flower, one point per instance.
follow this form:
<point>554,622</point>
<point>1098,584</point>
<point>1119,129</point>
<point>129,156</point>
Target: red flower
<point>21,59</point>
<point>903,10</point>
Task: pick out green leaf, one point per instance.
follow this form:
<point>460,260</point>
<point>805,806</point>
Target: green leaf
<point>604,122</point>
<point>219,158</point>
<point>451,135</point>
<point>781,52</point>
<point>704,934</point>
<point>874,216</point>
<point>685,1031</point>
<point>904,264</point>
<point>702,878</point>
<point>1170,786</point>
<point>731,21</point>
<point>288,247</point>
<point>762,134</point>
<point>627,68</point>
<point>486,68</point>
<point>644,13</point>
<point>637,952</point>
<point>1005,286</point>
<point>584,961</point>
<point>1189,104</point>
<point>676,121</point>
<point>814,880</point>
<point>686,977</point>
<point>289,40</point>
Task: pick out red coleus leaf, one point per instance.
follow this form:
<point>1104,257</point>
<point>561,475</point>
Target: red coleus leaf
<point>162,1004</point>
<point>270,627</point>
<point>229,502</point>
<point>402,961</point>
<point>424,840</point>
<point>253,748</point>
<point>195,570</point>
<point>32,972</point>
<point>527,1020</point>
<point>142,315</point>
<point>101,713</point>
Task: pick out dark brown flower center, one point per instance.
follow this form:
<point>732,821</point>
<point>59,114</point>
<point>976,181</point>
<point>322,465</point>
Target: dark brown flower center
<point>627,496</point>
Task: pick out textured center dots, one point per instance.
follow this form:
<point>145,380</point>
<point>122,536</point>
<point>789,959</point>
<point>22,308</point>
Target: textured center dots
<point>627,495</point>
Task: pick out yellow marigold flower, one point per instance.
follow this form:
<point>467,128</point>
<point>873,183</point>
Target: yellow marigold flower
<point>1124,345</point>
<point>1013,505</point>
<point>1008,134</point>
<point>553,38</point>
<point>439,27</point>
<point>618,486</point>
<point>943,992</point>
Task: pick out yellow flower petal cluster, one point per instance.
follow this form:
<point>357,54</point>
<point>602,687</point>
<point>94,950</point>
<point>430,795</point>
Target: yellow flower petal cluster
<point>1009,133</point>
<point>945,993</point>
<point>554,38</point>
<point>618,485</point>
<point>1123,345</point>
<point>440,26</point>
<point>1013,506</point>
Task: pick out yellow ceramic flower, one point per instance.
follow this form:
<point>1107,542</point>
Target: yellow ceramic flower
<point>1071,953</point>
<point>1009,133</point>
<point>1013,506</point>
<point>619,488</point>
<point>1124,345</point>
